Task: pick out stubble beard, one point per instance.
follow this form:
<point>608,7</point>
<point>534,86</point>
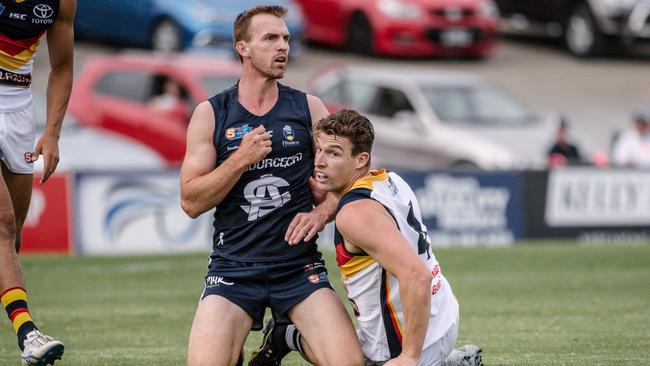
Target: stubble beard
<point>265,69</point>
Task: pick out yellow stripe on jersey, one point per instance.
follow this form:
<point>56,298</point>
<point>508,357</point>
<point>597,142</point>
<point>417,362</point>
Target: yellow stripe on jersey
<point>356,265</point>
<point>8,62</point>
<point>367,181</point>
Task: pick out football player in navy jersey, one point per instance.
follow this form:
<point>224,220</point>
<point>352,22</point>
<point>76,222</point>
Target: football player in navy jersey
<point>249,155</point>
<point>22,25</point>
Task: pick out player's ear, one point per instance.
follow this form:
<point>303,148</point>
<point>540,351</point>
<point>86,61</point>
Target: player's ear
<point>362,159</point>
<point>242,48</point>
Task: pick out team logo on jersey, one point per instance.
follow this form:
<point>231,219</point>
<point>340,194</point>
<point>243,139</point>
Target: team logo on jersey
<point>288,133</point>
<point>43,11</point>
<point>392,186</point>
<point>237,133</point>
<point>264,196</point>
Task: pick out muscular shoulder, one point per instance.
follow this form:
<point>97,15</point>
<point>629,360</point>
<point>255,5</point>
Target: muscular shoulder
<point>357,213</point>
<point>316,108</point>
<point>203,118</point>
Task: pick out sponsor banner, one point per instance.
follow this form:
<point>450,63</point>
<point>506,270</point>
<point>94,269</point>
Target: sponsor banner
<point>48,226</point>
<point>594,198</point>
<point>136,213</point>
<point>462,208</point>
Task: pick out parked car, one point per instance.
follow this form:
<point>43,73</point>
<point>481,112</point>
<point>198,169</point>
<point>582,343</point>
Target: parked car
<point>404,27</point>
<point>87,148</point>
<point>170,25</point>
<point>115,93</point>
<point>587,27</point>
<point>436,119</point>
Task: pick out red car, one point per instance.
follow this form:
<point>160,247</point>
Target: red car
<point>122,94</point>
<point>412,28</point>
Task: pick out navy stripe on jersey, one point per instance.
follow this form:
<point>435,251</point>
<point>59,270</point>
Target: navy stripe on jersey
<point>353,195</point>
<point>394,344</point>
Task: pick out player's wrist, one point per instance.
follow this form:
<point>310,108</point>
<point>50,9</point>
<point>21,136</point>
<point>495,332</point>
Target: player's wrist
<point>238,162</point>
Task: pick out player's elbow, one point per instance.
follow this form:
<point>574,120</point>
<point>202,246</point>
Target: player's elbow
<point>421,276</point>
<point>190,208</point>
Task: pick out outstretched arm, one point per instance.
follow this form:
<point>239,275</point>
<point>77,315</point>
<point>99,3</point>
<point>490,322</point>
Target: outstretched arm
<point>365,224</point>
<point>60,45</point>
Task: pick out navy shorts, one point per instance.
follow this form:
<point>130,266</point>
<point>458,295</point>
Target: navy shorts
<point>256,286</point>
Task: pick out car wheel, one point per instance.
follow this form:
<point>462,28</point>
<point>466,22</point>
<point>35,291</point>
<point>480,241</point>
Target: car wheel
<point>166,36</point>
<point>581,34</point>
<point>360,38</point>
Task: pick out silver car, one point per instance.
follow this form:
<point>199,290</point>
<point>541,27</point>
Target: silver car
<point>427,119</point>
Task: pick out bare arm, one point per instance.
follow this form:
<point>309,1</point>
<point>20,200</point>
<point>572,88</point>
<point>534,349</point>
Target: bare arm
<point>367,225</point>
<point>203,185</point>
<point>60,45</point>
<point>306,225</point>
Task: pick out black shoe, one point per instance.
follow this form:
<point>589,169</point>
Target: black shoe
<point>268,354</point>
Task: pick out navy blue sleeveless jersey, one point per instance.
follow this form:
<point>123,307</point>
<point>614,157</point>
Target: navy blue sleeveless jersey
<point>251,221</point>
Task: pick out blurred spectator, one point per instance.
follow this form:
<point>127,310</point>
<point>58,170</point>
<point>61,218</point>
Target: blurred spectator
<point>632,147</point>
<point>171,97</point>
<point>563,152</point>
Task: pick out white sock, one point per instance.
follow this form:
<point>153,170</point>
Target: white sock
<point>292,337</point>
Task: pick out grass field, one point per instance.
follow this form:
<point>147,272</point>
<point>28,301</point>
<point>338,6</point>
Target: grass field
<point>535,304</point>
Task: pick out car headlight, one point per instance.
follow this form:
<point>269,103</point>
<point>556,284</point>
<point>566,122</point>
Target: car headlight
<point>399,10</point>
<point>488,9</point>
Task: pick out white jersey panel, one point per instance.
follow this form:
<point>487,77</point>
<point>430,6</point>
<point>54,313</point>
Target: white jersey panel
<point>375,293</point>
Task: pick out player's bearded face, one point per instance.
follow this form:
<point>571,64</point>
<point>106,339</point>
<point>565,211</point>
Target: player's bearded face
<point>267,65</point>
<point>269,47</point>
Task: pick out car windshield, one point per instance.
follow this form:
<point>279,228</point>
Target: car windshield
<point>479,104</point>
<point>217,83</point>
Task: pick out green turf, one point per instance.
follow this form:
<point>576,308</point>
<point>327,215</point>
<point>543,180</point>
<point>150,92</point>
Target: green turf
<point>539,304</point>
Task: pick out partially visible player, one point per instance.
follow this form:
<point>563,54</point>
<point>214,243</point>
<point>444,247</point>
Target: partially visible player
<point>405,308</point>
<point>22,24</point>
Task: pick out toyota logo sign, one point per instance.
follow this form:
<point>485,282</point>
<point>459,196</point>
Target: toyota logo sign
<point>43,11</point>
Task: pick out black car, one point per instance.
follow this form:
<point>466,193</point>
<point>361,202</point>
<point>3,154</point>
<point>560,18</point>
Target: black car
<point>588,27</point>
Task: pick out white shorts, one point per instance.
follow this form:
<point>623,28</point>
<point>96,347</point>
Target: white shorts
<point>436,353</point>
<point>17,140</point>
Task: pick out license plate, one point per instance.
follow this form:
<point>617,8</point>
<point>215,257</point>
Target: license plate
<point>456,37</point>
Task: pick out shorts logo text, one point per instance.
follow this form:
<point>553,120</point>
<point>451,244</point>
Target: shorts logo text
<point>215,281</point>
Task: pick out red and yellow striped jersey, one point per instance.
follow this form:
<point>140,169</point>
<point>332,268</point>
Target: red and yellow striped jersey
<point>22,24</point>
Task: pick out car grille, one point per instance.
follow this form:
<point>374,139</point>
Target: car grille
<point>434,35</point>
